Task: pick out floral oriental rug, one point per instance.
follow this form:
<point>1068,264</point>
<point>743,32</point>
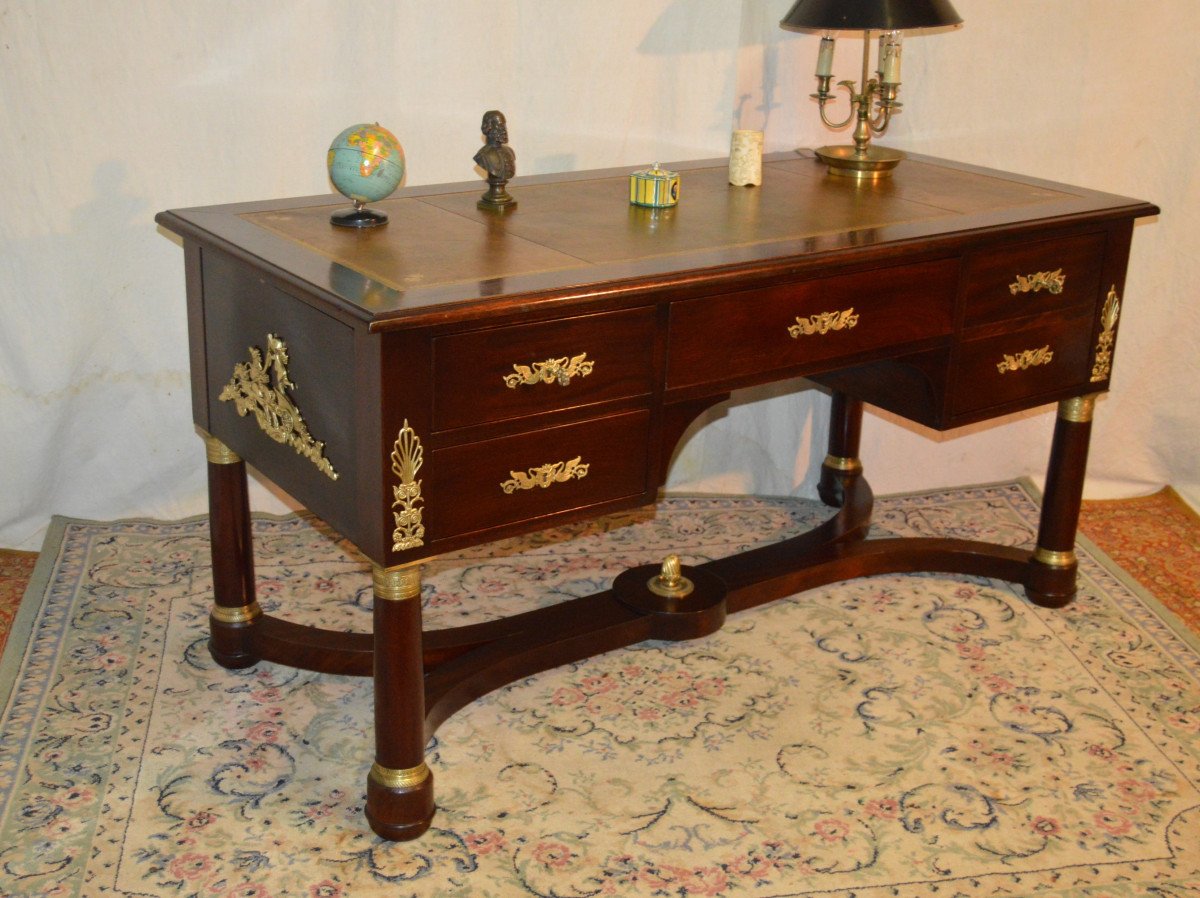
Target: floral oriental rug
<point>900,736</point>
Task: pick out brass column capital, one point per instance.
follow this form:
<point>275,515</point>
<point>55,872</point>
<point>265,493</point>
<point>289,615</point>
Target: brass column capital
<point>217,452</point>
<point>1078,410</point>
<point>397,584</point>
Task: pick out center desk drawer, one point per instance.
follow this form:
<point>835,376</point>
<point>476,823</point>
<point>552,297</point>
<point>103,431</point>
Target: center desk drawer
<point>518,478</point>
<point>510,372</point>
<point>758,332</point>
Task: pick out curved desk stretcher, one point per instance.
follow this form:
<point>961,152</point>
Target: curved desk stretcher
<point>459,376</point>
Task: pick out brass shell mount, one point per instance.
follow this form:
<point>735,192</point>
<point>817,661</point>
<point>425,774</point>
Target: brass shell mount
<point>670,581</point>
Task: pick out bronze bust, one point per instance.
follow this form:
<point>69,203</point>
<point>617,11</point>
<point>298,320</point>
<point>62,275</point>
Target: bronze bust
<point>498,160</point>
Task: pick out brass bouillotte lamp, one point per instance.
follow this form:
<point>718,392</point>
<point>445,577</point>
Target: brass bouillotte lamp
<point>873,99</point>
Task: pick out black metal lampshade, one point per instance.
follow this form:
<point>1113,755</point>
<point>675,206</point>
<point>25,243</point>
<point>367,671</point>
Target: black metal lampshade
<point>869,15</point>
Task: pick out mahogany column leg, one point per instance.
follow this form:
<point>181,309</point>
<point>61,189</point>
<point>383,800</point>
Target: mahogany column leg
<point>400,785</point>
<point>842,464</point>
<point>1051,579</point>
<point>235,613</point>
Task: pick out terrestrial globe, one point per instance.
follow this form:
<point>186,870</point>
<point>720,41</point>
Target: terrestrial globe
<point>366,164</point>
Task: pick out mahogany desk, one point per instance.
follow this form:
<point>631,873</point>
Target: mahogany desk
<point>460,376</point>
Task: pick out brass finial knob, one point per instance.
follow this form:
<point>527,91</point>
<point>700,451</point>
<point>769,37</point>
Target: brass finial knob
<point>670,582</point>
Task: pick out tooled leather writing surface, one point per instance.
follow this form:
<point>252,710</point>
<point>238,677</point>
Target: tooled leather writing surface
<point>440,246</point>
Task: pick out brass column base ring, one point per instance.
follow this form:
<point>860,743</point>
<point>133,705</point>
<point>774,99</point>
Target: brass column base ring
<point>1054,558</point>
<point>836,472</point>
<point>400,802</point>
<point>1051,578</point>
<point>404,779</point>
<point>233,634</point>
<point>242,614</point>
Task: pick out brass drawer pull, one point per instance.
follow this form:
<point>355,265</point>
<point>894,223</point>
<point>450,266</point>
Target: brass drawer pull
<point>823,323</point>
<point>1051,281</point>
<point>1028,359</point>
<point>550,371</point>
<point>555,472</point>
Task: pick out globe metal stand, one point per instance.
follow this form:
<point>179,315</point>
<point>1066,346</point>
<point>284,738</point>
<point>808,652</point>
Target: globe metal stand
<point>359,217</point>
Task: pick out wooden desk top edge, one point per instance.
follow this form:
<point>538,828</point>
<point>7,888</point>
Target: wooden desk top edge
<point>357,295</point>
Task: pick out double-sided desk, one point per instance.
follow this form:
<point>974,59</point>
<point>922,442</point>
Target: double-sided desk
<point>460,376</point>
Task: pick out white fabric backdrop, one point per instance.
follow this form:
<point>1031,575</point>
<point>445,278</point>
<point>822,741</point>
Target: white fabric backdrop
<point>112,111</point>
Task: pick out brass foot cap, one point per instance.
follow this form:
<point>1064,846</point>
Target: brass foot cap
<point>400,815</point>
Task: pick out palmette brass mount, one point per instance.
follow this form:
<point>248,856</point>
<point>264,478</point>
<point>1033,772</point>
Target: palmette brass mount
<point>407,457</point>
<point>1029,358</point>
<point>1102,366</point>
<point>559,371</point>
<point>251,390</point>
<point>544,476</point>
<point>823,323</point>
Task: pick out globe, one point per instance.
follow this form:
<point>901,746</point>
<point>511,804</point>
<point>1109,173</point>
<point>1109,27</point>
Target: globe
<point>366,163</point>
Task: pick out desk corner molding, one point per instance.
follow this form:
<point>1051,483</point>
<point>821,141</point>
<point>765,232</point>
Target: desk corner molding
<point>260,386</point>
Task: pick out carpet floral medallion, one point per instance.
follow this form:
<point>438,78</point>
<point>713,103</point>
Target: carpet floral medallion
<point>898,736</point>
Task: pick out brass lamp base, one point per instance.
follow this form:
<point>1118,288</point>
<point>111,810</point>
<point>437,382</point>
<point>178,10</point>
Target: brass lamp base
<point>845,162</point>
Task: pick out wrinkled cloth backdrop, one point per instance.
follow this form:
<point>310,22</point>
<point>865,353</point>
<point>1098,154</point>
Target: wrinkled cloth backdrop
<point>114,111</point>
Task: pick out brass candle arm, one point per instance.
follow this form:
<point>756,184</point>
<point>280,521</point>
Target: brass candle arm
<point>871,110</point>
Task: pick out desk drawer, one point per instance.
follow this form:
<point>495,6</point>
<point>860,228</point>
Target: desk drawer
<point>761,332</point>
<point>509,372</point>
<point>530,475</point>
<point>1023,363</point>
<point>1034,277</point>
